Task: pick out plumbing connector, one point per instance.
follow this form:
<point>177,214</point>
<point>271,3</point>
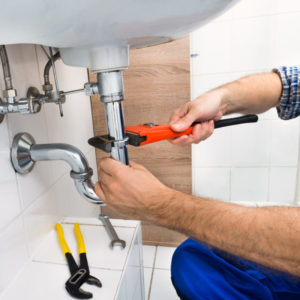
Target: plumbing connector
<point>47,87</point>
<point>91,89</point>
<point>25,153</point>
<point>11,93</point>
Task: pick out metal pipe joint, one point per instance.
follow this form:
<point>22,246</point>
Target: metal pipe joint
<point>25,153</point>
<point>111,89</point>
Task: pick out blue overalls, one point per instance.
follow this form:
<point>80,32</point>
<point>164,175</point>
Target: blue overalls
<point>202,272</point>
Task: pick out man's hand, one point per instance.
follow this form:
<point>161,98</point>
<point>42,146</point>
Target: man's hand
<point>131,190</point>
<point>252,94</point>
<point>206,109</point>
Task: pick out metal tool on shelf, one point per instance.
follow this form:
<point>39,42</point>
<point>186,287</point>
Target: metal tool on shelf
<point>115,240</point>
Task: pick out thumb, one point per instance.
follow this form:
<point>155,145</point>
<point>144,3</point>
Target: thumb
<point>183,123</point>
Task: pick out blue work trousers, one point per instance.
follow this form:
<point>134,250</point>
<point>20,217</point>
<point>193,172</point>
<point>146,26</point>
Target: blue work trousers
<point>202,272</point>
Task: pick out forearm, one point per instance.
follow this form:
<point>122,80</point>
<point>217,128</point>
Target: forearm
<point>251,94</point>
<point>266,235</point>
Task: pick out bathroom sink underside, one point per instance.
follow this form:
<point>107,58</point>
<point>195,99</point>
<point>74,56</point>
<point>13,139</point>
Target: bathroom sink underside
<point>98,33</point>
<point>136,23</point>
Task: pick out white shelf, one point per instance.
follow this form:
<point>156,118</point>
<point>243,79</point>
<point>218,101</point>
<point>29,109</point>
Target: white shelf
<point>120,270</point>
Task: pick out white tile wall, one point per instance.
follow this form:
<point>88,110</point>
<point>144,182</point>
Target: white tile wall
<point>161,286</point>
<point>249,184</point>
<point>30,205</point>
<point>13,251</point>
<point>212,183</point>
<point>254,163</point>
<point>283,184</point>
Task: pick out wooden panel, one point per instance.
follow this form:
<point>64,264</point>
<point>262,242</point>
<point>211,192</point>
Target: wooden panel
<point>156,83</point>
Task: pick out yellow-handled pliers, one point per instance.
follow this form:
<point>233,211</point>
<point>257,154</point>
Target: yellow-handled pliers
<point>79,274</point>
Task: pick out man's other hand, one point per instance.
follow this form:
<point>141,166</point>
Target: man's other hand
<point>131,190</point>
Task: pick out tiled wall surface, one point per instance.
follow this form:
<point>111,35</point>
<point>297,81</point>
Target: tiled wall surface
<point>30,205</point>
<point>254,163</point>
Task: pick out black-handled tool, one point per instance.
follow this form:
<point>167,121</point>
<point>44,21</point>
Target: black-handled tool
<point>79,274</point>
<point>235,121</point>
<point>140,135</point>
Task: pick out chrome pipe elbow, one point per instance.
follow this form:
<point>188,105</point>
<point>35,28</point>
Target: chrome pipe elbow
<point>25,153</point>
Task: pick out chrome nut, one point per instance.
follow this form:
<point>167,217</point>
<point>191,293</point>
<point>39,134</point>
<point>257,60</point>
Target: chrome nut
<point>91,89</point>
<point>47,87</point>
<point>12,93</point>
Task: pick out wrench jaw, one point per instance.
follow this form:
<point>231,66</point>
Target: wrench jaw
<point>94,281</point>
<point>117,243</point>
<point>74,283</point>
<point>111,232</point>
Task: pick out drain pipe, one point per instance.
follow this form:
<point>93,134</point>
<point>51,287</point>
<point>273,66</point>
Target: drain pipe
<point>25,153</point>
<point>6,68</point>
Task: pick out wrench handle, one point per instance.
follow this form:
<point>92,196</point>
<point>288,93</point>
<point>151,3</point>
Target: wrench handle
<point>108,227</point>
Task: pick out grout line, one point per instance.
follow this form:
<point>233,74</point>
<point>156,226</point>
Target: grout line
<point>152,274</point>
<point>242,167</point>
<point>164,269</point>
<point>65,264</point>
<point>270,162</point>
<point>297,191</point>
<point>230,159</point>
<point>236,72</point>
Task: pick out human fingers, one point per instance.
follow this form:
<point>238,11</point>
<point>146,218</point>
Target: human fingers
<point>184,122</point>
<point>99,191</point>
<point>110,166</point>
<point>200,132</point>
<point>137,166</point>
<point>178,114</point>
<point>104,178</point>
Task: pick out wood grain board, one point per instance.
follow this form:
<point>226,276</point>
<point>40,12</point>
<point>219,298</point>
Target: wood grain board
<point>156,83</point>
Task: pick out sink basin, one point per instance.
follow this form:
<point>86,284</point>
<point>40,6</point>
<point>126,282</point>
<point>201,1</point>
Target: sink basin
<point>98,33</point>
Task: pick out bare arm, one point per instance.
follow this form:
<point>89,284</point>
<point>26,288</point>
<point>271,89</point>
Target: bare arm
<point>267,235</point>
<point>251,94</point>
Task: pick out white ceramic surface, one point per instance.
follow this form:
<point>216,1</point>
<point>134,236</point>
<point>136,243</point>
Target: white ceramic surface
<point>162,287</point>
<point>97,34</point>
<point>113,259</point>
<point>282,185</point>
<point>212,183</point>
<point>147,279</point>
<point>164,257</point>
<point>47,283</point>
<point>13,252</point>
<point>249,184</point>
<point>148,255</point>
<point>120,271</point>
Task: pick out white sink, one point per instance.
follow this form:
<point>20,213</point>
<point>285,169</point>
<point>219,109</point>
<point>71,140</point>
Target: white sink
<point>98,33</point>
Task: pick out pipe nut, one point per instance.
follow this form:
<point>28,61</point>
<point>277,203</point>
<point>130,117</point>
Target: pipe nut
<point>47,87</point>
<point>11,93</point>
<point>82,176</point>
<point>91,89</point>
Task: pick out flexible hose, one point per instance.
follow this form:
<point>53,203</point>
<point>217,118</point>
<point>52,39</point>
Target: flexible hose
<point>6,68</point>
<point>56,56</point>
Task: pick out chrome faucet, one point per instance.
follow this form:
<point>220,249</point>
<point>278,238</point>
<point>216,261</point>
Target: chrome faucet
<point>25,153</point>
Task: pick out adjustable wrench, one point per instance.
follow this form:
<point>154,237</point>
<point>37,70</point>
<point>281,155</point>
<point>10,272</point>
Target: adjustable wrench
<point>115,240</point>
